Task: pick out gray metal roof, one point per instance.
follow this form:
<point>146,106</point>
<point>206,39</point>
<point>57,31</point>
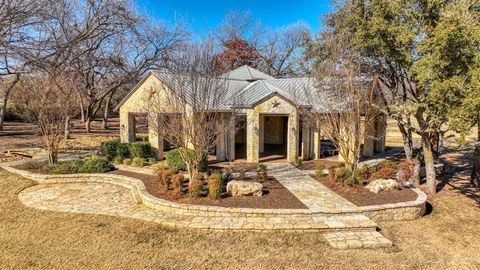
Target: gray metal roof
<point>245,87</point>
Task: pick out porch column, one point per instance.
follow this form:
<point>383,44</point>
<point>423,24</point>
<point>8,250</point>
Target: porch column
<point>230,147</point>
<point>306,140</point>
<point>253,136</point>
<point>292,137</point>
<point>369,139</point>
<point>155,136</point>
<point>221,144</point>
<point>381,126</point>
<point>127,127</point>
<point>317,143</point>
<point>261,145</point>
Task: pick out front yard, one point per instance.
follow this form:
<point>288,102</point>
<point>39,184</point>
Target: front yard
<point>446,238</point>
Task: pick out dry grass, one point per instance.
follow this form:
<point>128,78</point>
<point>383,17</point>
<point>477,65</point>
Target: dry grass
<point>34,239</point>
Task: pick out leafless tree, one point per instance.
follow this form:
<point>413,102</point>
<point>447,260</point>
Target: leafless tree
<point>342,102</point>
<point>191,114</point>
<point>46,99</point>
<point>282,51</point>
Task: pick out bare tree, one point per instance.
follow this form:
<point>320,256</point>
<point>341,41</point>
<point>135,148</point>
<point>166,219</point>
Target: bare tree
<point>192,113</point>
<point>46,99</point>
<point>341,105</point>
<point>282,51</point>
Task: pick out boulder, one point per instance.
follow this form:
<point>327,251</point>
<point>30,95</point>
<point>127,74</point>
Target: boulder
<point>244,188</point>
<point>382,184</point>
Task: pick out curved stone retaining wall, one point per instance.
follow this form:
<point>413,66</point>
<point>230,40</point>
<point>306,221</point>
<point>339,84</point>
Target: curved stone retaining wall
<point>399,211</point>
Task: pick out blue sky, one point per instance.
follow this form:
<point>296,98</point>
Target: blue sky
<point>207,14</point>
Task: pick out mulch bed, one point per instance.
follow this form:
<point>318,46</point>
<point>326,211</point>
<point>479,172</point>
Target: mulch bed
<point>234,166</point>
<point>275,195</point>
<point>313,164</point>
<point>363,197</point>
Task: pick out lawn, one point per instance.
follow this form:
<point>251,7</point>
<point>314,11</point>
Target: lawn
<point>446,238</point>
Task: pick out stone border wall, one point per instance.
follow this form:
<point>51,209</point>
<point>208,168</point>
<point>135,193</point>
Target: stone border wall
<point>399,211</point>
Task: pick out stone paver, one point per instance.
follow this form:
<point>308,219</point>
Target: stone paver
<point>108,199</point>
<point>350,240</point>
<point>308,190</point>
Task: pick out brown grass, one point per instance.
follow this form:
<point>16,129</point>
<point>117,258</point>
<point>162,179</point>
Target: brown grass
<point>34,239</point>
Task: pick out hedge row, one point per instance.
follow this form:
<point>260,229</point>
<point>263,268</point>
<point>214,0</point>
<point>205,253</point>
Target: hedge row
<point>114,148</point>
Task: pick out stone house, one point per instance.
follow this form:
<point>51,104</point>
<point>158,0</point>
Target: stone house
<point>270,109</point>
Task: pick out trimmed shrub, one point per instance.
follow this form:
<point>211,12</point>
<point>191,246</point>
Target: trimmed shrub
<point>319,171</point>
<point>390,165</point>
<point>297,163</point>
<point>383,173</point>
<point>342,174</point>
<point>97,165</point>
<point>118,159</point>
<point>215,185</point>
<point>67,167</point>
<point>138,161</point>
<point>127,161</point>
<point>109,148</point>
<point>32,165</point>
<point>140,149</point>
<point>174,158</point>
<point>195,186</point>
<point>122,150</point>
<point>363,172</point>
<point>177,182</point>
<point>160,166</point>
<point>151,160</point>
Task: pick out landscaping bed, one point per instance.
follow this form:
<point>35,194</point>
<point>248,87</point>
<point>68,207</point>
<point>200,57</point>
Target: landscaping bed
<point>314,164</point>
<point>275,195</point>
<point>363,197</point>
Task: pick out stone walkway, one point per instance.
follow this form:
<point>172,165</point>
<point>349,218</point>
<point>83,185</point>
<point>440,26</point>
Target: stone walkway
<point>308,190</point>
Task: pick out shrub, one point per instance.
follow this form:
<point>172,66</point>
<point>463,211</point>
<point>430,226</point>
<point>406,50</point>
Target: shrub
<point>174,158</point>
<point>215,186</point>
<point>68,167</point>
<point>118,159</point>
<point>241,175</point>
<point>160,166</point>
<point>390,165</point>
<point>32,165</point>
<point>383,173</point>
<point>109,148</point>
<point>403,176</point>
<point>127,161</point>
<point>319,171</point>
<point>297,163</point>
<point>96,165</point>
<point>342,174</point>
<point>195,186</point>
<point>152,160</point>
<point>262,167</point>
<point>122,150</point>
<point>363,172</point>
<point>164,177</point>
<point>138,161</point>
<point>140,149</point>
<point>177,182</point>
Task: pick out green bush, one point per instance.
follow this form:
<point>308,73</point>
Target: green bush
<point>297,163</point>
<point>118,159</point>
<point>127,161</point>
<point>152,160</point>
<point>97,165</point>
<point>122,150</point>
<point>66,167</point>
<point>174,158</point>
<point>109,148</point>
<point>138,161</point>
<point>319,171</point>
<point>342,174</point>
<point>140,149</point>
<point>32,165</point>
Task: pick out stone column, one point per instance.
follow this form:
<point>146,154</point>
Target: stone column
<point>127,127</point>
<point>292,137</point>
<point>381,126</point>
<point>261,145</point>
<point>221,147</point>
<point>155,137</point>
<point>306,140</point>
<point>231,143</point>
<point>369,139</point>
<point>253,136</point>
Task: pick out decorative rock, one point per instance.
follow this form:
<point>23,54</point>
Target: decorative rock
<point>244,188</point>
<point>382,184</point>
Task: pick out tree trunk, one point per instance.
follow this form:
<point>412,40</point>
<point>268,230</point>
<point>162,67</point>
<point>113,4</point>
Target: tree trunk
<point>67,128</point>
<point>87,125</point>
<point>105,113</point>
<point>3,109</point>
<point>475,179</point>
<point>429,164</point>
<point>416,169</point>
<point>52,156</point>
<point>407,141</point>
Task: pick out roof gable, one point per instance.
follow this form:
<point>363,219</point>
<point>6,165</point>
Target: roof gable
<point>247,73</point>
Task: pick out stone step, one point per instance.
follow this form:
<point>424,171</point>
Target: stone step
<point>352,240</point>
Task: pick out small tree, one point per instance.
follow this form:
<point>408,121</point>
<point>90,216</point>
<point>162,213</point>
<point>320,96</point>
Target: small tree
<point>46,100</point>
<point>341,103</point>
<point>191,114</point>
